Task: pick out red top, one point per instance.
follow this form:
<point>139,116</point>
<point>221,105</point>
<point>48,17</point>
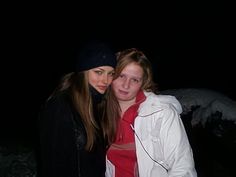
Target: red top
<point>122,152</point>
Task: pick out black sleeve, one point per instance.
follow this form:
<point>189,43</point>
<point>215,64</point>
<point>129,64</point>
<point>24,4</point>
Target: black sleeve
<point>58,154</point>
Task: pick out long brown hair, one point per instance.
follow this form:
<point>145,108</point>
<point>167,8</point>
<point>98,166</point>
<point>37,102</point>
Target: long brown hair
<point>78,86</point>
<point>134,55</point>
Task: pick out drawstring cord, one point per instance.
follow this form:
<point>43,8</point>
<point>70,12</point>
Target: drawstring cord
<point>161,163</point>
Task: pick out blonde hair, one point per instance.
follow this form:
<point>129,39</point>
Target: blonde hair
<point>78,86</point>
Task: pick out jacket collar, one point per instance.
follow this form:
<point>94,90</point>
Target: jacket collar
<point>96,96</point>
<point>156,103</point>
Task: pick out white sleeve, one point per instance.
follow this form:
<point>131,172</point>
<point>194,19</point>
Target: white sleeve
<point>177,150</point>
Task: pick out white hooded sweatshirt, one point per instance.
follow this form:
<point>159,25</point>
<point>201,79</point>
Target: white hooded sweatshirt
<point>162,145</point>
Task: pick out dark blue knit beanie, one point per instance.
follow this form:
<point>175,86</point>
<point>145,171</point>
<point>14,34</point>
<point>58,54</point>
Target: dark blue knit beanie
<point>95,54</point>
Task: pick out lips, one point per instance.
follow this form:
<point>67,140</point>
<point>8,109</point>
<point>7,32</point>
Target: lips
<point>102,87</point>
<point>123,92</point>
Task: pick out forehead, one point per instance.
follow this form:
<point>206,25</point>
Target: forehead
<point>104,68</point>
<point>133,69</point>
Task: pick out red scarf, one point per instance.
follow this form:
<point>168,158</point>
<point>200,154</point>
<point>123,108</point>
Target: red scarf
<point>122,152</point>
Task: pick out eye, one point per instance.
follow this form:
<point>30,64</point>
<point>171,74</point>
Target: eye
<point>121,76</point>
<point>111,74</point>
<point>135,80</point>
<point>98,72</point>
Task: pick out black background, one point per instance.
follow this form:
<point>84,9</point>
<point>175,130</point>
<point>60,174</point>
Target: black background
<point>187,43</point>
<point>190,45</point>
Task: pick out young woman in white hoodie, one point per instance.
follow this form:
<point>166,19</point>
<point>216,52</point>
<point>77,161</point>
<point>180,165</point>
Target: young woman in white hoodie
<point>151,140</point>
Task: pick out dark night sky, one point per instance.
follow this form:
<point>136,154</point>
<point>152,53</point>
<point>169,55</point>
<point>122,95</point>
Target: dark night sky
<point>185,42</point>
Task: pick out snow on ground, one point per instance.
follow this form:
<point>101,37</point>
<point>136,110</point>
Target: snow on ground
<point>204,103</point>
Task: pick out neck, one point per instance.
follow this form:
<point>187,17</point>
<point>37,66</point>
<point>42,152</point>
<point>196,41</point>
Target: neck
<point>124,105</point>
<point>96,96</point>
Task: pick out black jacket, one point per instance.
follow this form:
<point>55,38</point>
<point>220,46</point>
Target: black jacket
<point>62,141</point>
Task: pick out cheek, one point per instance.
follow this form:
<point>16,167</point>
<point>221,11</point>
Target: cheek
<point>135,90</point>
<point>110,80</point>
<point>115,84</point>
<point>93,80</point>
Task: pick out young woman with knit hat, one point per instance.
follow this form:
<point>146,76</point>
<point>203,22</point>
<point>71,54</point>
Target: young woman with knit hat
<point>76,128</point>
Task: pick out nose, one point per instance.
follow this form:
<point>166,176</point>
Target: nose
<point>105,79</point>
<point>126,83</point>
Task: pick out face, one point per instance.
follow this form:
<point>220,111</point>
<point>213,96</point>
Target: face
<point>129,82</point>
<point>101,77</point>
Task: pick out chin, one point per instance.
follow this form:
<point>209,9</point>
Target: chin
<point>102,91</point>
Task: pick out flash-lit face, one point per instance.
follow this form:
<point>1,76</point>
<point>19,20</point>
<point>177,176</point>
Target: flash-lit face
<point>128,83</point>
<point>101,77</point>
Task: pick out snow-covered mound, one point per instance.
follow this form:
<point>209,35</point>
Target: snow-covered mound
<point>210,121</point>
<point>203,104</point>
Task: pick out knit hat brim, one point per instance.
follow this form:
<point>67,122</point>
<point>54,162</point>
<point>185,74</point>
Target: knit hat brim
<point>95,54</point>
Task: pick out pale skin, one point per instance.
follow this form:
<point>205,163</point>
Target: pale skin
<point>100,78</point>
<point>127,85</point>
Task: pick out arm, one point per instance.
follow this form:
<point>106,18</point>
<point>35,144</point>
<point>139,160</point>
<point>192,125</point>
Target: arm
<point>58,153</point>
<point>176,147</point>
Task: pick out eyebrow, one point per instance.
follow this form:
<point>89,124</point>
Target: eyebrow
<point>102,69</point>
<point>132,77</point>
<point>98,69</point>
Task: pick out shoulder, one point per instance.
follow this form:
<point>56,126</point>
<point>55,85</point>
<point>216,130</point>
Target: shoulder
<point>154,103</point>
<point>57,113</point>
<point>56,105</point>
<point>59,100</point>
